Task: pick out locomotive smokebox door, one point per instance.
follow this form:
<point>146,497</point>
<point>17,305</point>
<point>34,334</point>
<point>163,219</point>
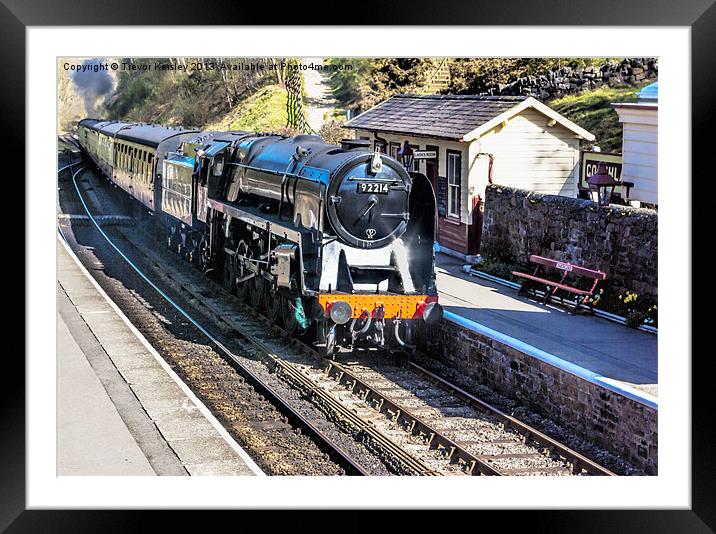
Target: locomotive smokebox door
<point>368,209</point>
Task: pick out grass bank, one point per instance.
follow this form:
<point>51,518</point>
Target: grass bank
<point>593,111</point>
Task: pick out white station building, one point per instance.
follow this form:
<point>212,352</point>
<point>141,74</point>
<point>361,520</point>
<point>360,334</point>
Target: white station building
<point>640,154</point>
<point>470,141</point>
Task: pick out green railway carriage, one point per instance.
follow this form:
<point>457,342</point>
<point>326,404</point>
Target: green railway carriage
<point>130,154</point>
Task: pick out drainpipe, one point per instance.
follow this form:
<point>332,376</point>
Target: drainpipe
<point>490,164</point>
<point>376,137</point>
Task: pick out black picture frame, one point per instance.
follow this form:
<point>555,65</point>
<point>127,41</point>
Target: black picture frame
<point>699,15</point>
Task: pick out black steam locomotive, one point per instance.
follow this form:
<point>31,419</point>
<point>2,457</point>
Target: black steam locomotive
<point>311,234</point>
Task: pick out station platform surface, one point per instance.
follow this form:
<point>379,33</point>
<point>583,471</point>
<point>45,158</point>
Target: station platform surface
<point>610,349</point>
<point>120,411</point>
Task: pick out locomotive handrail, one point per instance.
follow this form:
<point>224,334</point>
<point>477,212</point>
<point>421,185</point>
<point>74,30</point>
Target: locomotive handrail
<point>276,173</point>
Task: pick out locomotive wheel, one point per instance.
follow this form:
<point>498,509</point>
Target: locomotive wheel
<point>288,309</point>
<point>272,301</point>
<point>242,288</point>
<point>228,279</point>
<point>257,293</point>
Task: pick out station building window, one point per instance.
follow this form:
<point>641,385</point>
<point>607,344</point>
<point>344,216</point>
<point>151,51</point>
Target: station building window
<point>454,183</point>
<point>394,148</point>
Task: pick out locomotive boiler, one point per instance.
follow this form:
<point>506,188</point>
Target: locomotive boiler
<point>332,240</point>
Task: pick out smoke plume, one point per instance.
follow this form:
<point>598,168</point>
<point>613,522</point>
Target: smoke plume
<point>92,82</point>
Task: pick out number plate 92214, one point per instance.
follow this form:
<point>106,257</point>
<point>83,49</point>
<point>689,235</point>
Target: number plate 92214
<point>381,188</point>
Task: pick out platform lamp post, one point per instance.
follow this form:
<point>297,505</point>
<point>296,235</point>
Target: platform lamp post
<point>601,185</point>
<point>406,156</point>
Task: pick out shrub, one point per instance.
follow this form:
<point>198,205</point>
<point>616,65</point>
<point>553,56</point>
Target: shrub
<point>332,132</point>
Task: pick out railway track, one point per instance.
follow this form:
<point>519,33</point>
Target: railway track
<point>399,460</point>
<point>417,422</point>
<point>449,429</point>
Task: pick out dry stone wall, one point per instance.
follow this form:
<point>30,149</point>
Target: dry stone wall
<point>569,80</point>
<point>619,240</point>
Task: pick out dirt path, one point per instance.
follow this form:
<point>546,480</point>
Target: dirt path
<point>319,99</point>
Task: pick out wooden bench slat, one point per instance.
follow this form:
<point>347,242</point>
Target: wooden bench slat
<point>551,283</point>
<point>566,266</point>
<point>552,286</point>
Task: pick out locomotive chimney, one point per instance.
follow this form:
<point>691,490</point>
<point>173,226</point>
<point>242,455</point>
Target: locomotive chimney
<point>349,144</point>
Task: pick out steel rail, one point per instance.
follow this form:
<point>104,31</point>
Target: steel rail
<point>315,432</point>
<point>411,423</point>
<point>454,453</point>
<point>577,460</point>
<point>473,464</point>
<point>320,397</point>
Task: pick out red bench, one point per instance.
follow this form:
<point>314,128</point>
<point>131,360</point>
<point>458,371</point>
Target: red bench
<point>551,287</point>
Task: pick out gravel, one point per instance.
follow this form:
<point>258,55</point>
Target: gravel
<point>433,405</point>
<point>277,446</point>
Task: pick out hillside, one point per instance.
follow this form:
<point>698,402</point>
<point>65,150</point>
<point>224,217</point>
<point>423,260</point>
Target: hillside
<point>582,89</point>
<point>167,91</point>
<point>184,97</point>
<point>265,110</point>
<point>164,91</point>
<point>592,110</point>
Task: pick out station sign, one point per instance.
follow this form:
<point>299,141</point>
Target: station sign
<point>590,161</point>
<point>425,154</point>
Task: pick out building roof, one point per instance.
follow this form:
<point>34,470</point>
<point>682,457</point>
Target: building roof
<point>647,101</point>
<point>457,117</point>
<point>650,93</point>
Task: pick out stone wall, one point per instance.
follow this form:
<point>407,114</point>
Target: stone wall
<point>613,421</point>
<point>569,80</point>
<point>619,240</point>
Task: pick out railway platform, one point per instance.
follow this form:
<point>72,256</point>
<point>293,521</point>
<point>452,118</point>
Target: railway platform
<point>121,409</point>
<point>602,348</point>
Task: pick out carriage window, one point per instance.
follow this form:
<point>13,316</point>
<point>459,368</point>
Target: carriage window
<point>454,176</point>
